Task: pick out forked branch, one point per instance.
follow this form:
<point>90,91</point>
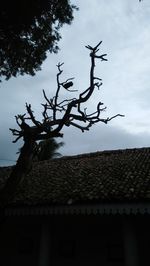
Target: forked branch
<point>58,113</point>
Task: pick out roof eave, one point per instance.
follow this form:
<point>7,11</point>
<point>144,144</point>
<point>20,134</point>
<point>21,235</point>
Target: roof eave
<point>86,209</point>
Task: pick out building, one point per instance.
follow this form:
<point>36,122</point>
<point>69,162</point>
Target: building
<point>90,209</point>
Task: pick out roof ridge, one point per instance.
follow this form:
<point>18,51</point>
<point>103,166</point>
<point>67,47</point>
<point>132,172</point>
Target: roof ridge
<point>94,154</point>
<point>87,155</point>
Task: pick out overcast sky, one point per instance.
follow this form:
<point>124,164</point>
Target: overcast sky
<point>124,28</point>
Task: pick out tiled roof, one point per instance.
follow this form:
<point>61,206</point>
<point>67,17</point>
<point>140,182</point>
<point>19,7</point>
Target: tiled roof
<point>108,176</point>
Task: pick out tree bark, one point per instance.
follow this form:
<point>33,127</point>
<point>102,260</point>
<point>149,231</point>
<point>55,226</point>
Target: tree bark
<point>20,170</point>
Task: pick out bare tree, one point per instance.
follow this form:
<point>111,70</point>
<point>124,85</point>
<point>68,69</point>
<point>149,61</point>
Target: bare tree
<point>56,115</point>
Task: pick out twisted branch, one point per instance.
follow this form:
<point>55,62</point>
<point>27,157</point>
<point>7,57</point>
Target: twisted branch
<point>51,126</point>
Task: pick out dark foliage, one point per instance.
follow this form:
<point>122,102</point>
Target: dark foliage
<point>47,149</point>
<point>28,30</point>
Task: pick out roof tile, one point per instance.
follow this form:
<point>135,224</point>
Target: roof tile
<point>118,175</point>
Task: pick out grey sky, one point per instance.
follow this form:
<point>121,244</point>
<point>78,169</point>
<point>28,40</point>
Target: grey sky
<point>124,28</point>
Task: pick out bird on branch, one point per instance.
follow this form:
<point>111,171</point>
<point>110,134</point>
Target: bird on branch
<point>67,85</point>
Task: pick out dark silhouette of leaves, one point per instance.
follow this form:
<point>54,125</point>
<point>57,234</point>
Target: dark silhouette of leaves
<point>47,149</point>
<point>28,30</point>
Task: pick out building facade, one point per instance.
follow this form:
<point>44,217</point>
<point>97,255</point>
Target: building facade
<point>82,210</point>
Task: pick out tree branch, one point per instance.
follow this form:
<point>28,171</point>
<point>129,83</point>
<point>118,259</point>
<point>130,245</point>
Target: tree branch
<point>56,114</point>
<point>53,126</point>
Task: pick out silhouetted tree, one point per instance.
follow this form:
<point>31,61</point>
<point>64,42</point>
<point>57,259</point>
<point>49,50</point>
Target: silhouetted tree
<point>47,149</point>
<point>57,114</point>
<point>28,30</point>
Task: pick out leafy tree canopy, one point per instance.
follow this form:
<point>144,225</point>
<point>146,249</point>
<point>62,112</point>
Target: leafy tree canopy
<point>28,29</point>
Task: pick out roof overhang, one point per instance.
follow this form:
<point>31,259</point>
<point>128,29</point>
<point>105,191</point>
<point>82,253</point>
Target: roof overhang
<point>87,209</point>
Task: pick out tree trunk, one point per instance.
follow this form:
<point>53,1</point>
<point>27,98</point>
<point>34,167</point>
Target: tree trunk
<point>22,167</point>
